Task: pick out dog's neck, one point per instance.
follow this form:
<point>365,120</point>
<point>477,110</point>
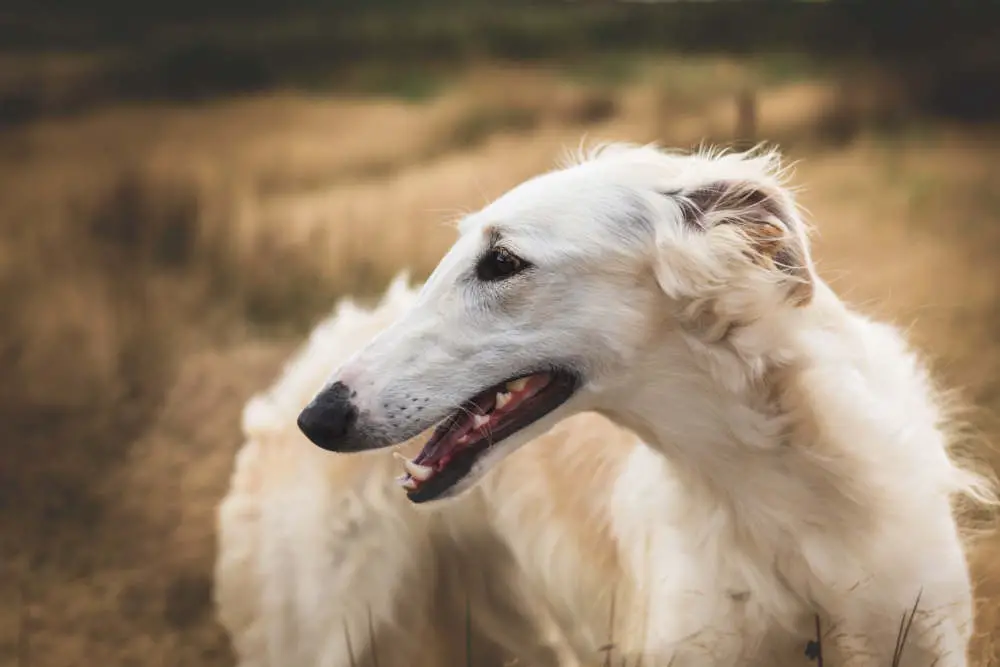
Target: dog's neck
<point>745,426</point>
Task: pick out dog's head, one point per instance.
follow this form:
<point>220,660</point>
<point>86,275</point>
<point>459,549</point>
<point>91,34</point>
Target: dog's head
<point>553,299</point>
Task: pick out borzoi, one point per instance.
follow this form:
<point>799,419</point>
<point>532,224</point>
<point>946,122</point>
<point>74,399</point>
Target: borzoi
<point>794,466</point>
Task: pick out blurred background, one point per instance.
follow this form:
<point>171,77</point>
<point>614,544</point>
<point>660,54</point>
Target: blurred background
<point>186,186</point>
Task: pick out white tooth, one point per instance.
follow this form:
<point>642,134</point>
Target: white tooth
<point>478,421</point>
<point>407,482</point>
<point>419,472</point>
<point>517,385</point>
<point>503,398</point>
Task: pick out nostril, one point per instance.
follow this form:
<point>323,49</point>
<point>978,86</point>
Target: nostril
<point>329,417</point>
<point>347,420</point>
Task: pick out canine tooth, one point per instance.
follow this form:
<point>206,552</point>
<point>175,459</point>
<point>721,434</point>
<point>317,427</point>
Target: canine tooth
<point>418,472</point>
<point>503,398</point>
<point>478,421</point>
<point>517,385</point>
<point>407,482</point>
<point>421,473</point>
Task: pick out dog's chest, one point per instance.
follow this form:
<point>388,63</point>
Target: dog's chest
<point>701,593</point>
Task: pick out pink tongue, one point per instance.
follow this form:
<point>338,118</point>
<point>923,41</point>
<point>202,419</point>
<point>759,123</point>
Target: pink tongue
<point>464,427</point>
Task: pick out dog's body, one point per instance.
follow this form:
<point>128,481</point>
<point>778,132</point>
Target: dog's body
<point>793,467</point>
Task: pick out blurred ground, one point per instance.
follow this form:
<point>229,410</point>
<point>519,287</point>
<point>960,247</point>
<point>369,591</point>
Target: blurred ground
<point>159,261</point>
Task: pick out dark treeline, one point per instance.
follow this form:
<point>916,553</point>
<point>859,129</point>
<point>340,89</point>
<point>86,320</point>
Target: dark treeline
<point>198,48</point>
<point>447,28</point>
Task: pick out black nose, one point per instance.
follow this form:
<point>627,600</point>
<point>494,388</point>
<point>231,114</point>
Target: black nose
<point>329,417</point>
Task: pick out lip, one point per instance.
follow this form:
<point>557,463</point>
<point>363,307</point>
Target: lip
<point>456,444</point>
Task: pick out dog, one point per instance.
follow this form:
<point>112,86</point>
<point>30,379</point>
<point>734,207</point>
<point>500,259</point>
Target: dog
<point>725,459</point>
<point>795,461</point>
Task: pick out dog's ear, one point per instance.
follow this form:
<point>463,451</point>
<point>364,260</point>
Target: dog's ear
<point>767,221</point>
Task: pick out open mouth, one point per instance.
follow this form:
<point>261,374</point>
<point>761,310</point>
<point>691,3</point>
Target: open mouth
<point>479,424</point>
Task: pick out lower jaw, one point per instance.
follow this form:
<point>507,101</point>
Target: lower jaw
<point>430,492</point>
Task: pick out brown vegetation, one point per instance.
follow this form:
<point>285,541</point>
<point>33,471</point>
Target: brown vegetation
<point>158,263</point>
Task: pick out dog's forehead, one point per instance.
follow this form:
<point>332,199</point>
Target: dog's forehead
<point>579,200</point>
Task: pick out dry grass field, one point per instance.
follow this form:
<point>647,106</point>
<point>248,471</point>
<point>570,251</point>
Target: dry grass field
<point>158,263</point>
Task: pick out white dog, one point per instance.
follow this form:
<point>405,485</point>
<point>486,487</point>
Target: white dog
<point>794,469</point>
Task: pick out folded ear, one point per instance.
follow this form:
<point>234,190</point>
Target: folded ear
<point>766,218</point>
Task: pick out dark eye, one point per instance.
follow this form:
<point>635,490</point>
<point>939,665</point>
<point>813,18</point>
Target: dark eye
<point>499,263</point>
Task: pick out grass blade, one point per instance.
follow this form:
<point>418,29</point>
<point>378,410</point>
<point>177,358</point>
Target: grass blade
<point>611,630</point>
<point>350,649</point>
<point>468,633</point>
<point>901,640</point>
<point>371,639</point>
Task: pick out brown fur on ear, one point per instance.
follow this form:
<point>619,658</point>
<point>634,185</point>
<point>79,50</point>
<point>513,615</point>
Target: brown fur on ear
<point>766,219</point>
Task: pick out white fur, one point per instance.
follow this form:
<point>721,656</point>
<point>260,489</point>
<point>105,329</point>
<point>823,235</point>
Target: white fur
<point>302,562</point>
<point>794,460</point>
